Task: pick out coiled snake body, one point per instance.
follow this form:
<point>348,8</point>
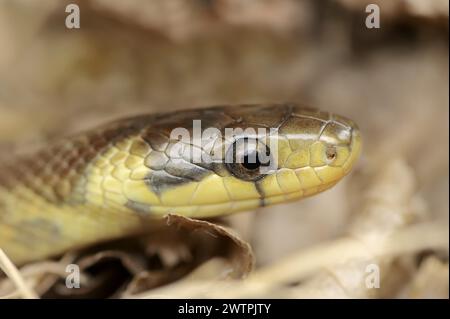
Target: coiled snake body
<point>115,180</point>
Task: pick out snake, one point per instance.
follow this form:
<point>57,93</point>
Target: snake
<point>118,178</point>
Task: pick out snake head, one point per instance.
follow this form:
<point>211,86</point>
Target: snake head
<point>218,160</point>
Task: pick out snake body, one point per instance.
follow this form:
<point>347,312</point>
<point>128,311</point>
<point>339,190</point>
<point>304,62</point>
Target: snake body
<point>115,180</point>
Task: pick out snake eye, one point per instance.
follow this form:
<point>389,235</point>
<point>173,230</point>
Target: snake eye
<point>245,158</point>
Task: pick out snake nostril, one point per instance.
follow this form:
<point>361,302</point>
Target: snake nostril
<point>331,153</point>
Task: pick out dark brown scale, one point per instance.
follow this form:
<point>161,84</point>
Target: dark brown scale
<point>156,141</point>
<point>259,116</point>
<point>86,151</point>
<point>98,142</point>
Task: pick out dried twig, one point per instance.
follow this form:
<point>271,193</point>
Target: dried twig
<point>14,274</point>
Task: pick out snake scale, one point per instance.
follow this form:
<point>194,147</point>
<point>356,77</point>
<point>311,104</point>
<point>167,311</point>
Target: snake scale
<point>116,179</point>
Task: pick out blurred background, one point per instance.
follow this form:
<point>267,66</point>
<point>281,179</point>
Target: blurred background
<point>136,56</point>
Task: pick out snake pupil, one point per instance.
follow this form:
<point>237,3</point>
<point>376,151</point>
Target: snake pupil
<point>251,162</point>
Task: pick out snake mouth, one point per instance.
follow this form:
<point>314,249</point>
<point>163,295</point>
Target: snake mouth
<point>355,150</point>
<point>231,206</point>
